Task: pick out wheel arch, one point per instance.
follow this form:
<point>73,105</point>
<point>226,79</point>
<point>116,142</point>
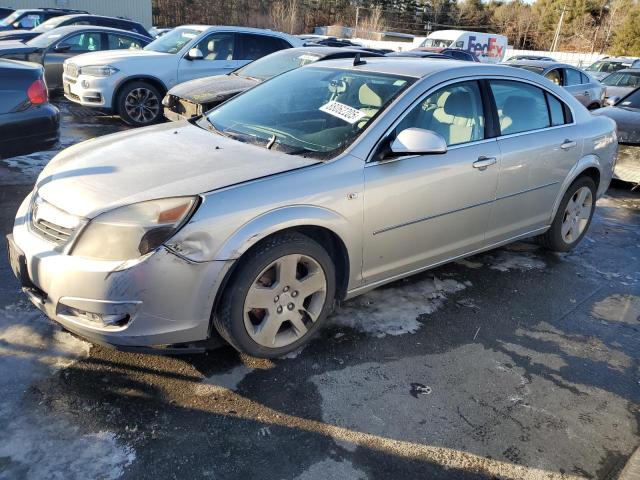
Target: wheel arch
<point>587,166</point>
<point>156,82</point>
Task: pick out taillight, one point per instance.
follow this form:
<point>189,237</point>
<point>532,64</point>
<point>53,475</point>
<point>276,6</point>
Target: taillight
<point>37,92</point>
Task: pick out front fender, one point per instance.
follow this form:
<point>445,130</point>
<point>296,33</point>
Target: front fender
<point>280,219</point>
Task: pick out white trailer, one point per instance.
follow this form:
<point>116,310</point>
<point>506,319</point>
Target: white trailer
<point>488,47</point>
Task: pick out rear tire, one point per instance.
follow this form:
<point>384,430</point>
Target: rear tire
<point>278,297</point>
<point>573,217</point>
<point>139,103</point>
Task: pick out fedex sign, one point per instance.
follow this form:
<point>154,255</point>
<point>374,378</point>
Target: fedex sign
<point>491,49</point>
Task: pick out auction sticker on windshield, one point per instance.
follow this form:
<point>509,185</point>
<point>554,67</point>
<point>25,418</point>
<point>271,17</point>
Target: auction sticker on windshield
<point>342,111</point>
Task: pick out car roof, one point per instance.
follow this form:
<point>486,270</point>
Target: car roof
<point>619,59</point>
<point>417,68</point>
<point>628,70</point>
<point>542,64</point>
<point>77,15</point>
<point>327,51</point>
<point>264,31</point>
<point>78,28</point>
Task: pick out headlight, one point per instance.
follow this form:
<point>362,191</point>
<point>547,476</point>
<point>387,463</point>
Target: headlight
<point>134,230</point>
<point>98,70</point>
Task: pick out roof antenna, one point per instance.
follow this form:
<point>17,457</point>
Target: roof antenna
<point>357,61</point>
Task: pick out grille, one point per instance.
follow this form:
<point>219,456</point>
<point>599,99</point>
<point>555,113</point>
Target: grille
<point>51,223</point>
<point>71,69</point>
<point>52,232</point>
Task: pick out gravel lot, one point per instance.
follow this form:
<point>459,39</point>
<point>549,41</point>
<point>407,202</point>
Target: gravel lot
<point>517,363</point>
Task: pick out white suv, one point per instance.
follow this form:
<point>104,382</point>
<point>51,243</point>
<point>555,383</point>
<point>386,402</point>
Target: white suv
<point>133,82</point>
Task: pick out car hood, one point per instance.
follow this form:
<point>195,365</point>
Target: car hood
<point>211,89</point>
<point>10,34</point>
<point>617,91</point>
<point>598,75</point>
<point>167,160</point>
<point>110,57</point>
<point>627,122</point>
<point>15,47</point>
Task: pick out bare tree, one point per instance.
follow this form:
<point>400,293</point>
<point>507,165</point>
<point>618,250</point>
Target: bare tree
<point>372,25</point>
<point>284,16</point>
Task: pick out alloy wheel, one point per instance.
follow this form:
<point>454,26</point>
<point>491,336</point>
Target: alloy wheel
<point>577,214</point>
<point>142,105</point>
<point>285,300</point>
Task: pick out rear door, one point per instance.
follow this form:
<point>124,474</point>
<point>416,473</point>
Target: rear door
<point>539,144</point>
<point>574,84</point>
<point>218,50</point>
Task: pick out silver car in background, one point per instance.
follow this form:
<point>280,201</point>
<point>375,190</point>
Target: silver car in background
<point>314,187</point>
<point>620,83</point>
<point>586,89</point>
<point>607,65</point>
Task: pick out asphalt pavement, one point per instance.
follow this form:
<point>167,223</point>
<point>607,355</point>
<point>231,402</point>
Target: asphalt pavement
<point>517,363</point>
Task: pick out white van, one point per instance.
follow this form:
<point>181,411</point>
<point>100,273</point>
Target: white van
<point>488,47</point>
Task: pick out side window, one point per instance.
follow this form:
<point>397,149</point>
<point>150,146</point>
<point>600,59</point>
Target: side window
<point>555,76</point>
<point>459,55</point>
<point>218,46</point>
<point>572,77</point>
<point>521,107</point>
<point>257,46</point>
<point>122,42</point>
<point>454,111</point>
<point>584,78</point>
<point>84,42</point>
<point>31,20</point>
<point>557,111</point>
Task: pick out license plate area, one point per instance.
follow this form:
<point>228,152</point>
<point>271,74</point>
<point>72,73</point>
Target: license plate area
<point>18,264</point>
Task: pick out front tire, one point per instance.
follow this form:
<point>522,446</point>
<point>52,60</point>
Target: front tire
<point>277,299</point>
<point>139,104</point>
<point>573,217</point>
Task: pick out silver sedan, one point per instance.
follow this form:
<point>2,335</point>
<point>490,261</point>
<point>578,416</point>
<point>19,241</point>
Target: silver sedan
<point>314,187</point>
<point>585,88</point>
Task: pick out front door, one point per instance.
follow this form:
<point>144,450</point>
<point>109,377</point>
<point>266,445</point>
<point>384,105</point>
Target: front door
<point>539,144</point>
<point>423,209</point>
<point>218,50</point>
<point>69,47</point>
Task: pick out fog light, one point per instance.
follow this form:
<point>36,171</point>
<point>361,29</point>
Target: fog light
<point>100,319</point>
<point>85,84</point>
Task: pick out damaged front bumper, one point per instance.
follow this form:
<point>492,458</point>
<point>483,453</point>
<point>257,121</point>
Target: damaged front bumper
<point>160,300</point>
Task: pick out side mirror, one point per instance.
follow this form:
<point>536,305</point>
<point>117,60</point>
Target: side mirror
<point>62,47</point>
<point>612,100</point>
<point>195,54</point>
<point>417,141</point>
<point>16,25</point>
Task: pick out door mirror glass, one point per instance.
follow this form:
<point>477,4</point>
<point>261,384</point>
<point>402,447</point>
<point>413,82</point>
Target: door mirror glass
<point>417,141</point>
<point>612,100</point>
<point>195,54</point>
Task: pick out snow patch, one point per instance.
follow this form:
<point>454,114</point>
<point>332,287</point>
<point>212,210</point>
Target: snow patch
<point>34,442</point>
<point>330,469</point>
<point>394,310</point>
<point>504,261</point>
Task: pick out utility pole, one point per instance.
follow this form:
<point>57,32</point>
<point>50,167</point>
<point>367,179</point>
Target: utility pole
<point>556,36</point>
<point>357,15</point>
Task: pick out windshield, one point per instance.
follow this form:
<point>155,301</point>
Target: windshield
<point>277,63</point>
<point>49,24</point>
<point>11,18</point>
<point>174,41</point>
<point>630,101</point>
<point>622,79</point>
<point>435,42</point>
<point>44,40</point>
<point>607,67</point>
<point>312,111</point>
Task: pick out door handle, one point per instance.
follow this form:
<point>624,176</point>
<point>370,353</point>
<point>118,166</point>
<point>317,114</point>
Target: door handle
<point>568,144</point>
<point>586,93</point>
<point>483,162</point>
